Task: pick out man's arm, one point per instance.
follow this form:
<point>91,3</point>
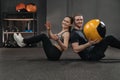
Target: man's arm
<point>78,48</point>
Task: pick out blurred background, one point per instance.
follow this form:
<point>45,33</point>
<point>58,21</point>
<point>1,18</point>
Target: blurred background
<point>106,10</point>
<point>55,10</point>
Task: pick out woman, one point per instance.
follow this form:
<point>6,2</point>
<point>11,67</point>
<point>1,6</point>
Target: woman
<point>52,51</point>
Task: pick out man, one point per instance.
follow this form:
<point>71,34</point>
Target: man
<point>89,50</point>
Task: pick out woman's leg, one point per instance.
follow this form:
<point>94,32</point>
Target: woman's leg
<point>51,51</point>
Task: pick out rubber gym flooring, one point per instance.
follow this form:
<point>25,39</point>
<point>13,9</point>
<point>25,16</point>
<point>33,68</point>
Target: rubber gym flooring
<point>31,64</point>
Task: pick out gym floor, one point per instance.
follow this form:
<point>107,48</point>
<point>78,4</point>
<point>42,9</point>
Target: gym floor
<point>31,64</point>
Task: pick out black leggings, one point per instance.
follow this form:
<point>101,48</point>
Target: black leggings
<point>52,52</point>
<point>97,52</point>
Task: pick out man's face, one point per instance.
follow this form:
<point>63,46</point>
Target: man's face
<point>78,21</point>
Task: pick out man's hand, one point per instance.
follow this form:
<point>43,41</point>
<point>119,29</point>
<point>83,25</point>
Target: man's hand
<point>93,42</point>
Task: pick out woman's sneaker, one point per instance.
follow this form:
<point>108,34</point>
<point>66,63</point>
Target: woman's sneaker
<point>20,35</point>
<point>19,40</point>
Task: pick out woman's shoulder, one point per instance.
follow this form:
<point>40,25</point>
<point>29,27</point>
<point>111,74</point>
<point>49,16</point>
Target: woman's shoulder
<point>65,32</point>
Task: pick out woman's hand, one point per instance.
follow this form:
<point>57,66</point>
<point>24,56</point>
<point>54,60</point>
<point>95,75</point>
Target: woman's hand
<point>48,25</point>
<point>55,37</point>
<point>52,36</point>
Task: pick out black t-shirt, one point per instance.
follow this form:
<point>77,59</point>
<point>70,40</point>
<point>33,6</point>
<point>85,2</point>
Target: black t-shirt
<point>88,53</point>
<point>77,36</point>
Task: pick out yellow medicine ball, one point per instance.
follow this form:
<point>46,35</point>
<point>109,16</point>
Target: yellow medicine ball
<point>94,29</point>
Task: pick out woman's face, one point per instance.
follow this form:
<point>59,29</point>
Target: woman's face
<point>66,23</point>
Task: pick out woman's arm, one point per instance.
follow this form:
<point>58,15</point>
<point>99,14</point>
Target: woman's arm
<point>50,34</point>
<point>64,44</point>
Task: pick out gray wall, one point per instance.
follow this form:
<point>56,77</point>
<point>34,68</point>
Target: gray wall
<point>106,10</point>
<point>109,11</point>
<point>56,10</point>
<point>0,27</point>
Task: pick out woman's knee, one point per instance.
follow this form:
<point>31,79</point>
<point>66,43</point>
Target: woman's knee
<point>43,36</point>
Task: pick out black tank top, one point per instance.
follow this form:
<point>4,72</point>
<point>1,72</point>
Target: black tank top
<point>60,36</point>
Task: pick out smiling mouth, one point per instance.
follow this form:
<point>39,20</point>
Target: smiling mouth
<point>64,24</point>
